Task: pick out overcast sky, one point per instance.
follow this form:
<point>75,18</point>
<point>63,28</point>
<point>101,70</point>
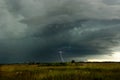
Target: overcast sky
<point>37,30</point>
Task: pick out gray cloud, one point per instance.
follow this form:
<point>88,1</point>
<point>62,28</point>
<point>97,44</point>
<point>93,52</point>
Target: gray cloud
<point>36,30</point>
<point>111,2</point>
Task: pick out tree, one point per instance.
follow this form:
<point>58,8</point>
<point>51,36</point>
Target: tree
<point>73,61</point>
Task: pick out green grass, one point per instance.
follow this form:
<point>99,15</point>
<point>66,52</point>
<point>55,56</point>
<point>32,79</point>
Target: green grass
<point>58,71</point>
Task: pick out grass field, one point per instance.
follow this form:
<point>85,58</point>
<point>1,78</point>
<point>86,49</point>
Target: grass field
<point>61,71</point>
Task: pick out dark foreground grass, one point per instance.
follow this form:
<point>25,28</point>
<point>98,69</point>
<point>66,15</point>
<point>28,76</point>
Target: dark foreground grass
<point>68,71</point>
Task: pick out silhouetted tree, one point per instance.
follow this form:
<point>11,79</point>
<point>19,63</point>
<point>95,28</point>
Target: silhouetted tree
<point>73,61</point>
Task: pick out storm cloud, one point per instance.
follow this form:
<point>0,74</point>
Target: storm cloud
<point>36,30</point>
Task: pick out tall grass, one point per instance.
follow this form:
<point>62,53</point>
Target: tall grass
<point>78,71</point>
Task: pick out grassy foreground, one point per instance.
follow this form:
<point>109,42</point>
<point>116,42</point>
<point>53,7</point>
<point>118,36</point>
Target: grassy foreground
<point>58,71</point>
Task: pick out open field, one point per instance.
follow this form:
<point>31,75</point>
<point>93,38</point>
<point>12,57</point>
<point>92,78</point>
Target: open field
<point>61,71</point>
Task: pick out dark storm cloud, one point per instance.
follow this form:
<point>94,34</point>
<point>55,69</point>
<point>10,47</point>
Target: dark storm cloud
<point>36,30</point>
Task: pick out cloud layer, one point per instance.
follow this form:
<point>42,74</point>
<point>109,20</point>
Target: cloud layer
<point>36,30</point>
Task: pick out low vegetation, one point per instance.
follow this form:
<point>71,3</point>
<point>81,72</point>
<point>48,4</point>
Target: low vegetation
<point>61,71</point>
